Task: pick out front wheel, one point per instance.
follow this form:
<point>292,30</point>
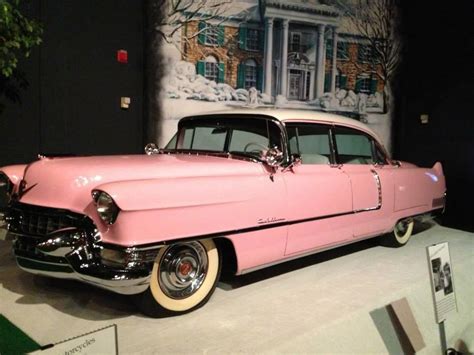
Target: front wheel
<point>400,235</point>
<point>183,278</point>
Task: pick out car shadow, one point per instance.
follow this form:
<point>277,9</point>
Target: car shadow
<point>230,282</point>
<point>423,226</point>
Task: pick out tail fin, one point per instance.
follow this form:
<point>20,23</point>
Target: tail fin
<point>438,168</point>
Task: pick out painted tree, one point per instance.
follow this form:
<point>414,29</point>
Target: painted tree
<point>178,14</point>
<point>377,20</point>
<point>18,36</point>
<point>167,21</point>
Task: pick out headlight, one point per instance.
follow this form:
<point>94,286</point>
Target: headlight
<point>6,189</point>
<point>106,207</point>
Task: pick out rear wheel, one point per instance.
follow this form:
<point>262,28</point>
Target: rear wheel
<point>400,235</point>
<point>183,278</point>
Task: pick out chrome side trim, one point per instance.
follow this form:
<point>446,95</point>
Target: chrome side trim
<point>379,189</point>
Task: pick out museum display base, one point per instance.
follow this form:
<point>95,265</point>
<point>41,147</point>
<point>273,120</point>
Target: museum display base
<point>326,303</point>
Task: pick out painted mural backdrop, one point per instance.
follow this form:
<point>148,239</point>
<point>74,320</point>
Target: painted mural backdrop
<point>335,56</point>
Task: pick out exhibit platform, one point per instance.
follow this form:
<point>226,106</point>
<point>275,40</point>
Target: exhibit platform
<point>331,302</point>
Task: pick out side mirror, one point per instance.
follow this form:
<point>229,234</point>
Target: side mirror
<point>273,157</point>
<point>295,159</point>
<point>151,149</point>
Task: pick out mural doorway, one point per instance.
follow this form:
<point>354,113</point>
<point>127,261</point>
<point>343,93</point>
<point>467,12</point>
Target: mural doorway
<point>298,85</point>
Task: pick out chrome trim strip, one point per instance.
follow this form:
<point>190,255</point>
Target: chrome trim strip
<point>233,232</point>
<point>131,249</point>
<point>379,188</point>
<point>42,261</point>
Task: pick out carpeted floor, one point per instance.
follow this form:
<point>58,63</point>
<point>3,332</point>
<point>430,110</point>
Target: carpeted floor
<point>13,340</point>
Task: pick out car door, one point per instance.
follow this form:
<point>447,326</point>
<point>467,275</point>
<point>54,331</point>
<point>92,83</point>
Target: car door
<point>319,194</point>
<point>371,178</point>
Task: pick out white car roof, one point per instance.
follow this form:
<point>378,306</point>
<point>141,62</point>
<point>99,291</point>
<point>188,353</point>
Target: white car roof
<point>287,115</point>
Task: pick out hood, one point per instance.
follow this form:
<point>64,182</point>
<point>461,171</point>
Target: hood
<point>67,182</point>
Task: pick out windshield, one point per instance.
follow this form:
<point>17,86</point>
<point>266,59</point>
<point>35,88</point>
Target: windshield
<point>244,136</point>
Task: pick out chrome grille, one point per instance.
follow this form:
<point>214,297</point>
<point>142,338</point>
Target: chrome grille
<point>32,224</point>
<point>38,222</point>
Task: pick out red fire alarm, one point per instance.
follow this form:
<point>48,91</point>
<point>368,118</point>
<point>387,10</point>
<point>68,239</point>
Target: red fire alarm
<point>122,56</point>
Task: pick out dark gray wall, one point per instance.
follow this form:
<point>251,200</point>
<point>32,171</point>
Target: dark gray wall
<point>436,78</point>
<point>72,105</point>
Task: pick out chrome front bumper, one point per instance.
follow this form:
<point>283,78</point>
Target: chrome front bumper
<point>74,253</point>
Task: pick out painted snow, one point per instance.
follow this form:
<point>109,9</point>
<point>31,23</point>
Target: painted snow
<point>185,92</point>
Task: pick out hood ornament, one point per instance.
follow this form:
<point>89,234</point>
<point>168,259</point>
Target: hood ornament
<point>151,149</point>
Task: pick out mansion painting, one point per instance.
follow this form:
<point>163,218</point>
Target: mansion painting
<point>297,49</point>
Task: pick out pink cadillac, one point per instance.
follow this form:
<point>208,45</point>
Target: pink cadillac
<point>239,190</point>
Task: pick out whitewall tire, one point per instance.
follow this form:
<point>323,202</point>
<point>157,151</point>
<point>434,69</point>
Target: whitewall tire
<point>183,278</point>
<point>400,235</point>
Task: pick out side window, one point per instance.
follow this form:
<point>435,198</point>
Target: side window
<point>353,147</point>
<point>310,141</point>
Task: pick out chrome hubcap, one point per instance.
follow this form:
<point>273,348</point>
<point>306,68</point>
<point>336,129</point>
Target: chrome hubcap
<point>401,228</point>
<point>183,269</point>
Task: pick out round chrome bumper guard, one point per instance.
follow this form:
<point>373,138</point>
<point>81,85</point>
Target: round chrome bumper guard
<point>79,252</point>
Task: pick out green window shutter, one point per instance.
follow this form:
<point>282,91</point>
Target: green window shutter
<point>327,82</point>
<point>329,49</point>
<point>201,67</point>
<point>343,81</point>
<point>373,85</point>
<point>241,76</point>
<point>243,37</point>
<point>260,78</point>
<point>342,50</point>
<point>220,35</point>
<point>221,74</point>
<point>261,40</point>
<point>357,86</point>
<point>202,33</point>
<point>360,53</point>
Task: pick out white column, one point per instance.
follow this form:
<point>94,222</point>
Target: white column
<point>284,58</point>
<point>311,86</point>
<point>268,55</point>
<point>320,62</point>
<point>334,60</point>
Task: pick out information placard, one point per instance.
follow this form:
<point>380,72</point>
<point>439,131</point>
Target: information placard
<point>442,283</point>
<point>101,341</point>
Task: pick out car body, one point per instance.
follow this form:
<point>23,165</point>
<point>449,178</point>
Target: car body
<point>240,189</point>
